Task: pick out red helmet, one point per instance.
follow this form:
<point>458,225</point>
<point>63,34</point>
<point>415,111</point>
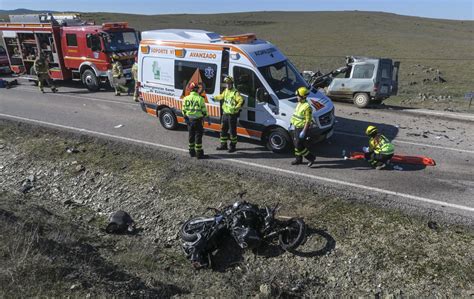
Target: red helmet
<point>193,86</point>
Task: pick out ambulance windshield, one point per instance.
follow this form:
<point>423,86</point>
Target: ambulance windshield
<point>121,41</point>
<point>283,78</point>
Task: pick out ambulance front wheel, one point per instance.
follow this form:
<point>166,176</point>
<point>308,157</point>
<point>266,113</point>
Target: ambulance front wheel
<point>168,119</point>
<point>278,140</point>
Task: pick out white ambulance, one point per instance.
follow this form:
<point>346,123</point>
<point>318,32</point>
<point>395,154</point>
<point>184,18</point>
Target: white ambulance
<point>170,59</point>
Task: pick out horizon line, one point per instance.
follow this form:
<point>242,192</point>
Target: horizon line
<point>237,12</point>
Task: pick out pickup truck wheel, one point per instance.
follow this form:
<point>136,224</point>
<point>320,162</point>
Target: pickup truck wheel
<point>361,100</point>
<point>168,119</point>
<point>278,140</point>
<point>89,79</point>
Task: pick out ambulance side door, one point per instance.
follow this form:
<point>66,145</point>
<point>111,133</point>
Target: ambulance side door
<point>254,112</point>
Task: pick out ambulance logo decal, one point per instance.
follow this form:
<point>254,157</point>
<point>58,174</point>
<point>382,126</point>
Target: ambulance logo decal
<point>209,72</point>
<point>156,70</point>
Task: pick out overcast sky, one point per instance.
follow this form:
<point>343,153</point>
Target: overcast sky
<point>446,9</point>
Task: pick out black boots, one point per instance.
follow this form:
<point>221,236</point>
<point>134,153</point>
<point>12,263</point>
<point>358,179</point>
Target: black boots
<point>222,147</point>
<point>200,155</point>
<point>298,160</point>
<point>192,153</point>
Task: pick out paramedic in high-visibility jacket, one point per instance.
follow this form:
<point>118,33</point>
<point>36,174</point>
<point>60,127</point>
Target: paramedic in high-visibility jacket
<point>232,102</point>
<point>301,120</point>
<point>194,112</point>
<point>380,149</point>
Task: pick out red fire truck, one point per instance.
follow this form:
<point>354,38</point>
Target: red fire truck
<point>4,64</point>
<point>76,50</point>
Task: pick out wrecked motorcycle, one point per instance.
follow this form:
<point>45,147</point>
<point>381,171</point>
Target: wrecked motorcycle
<point>249,225</point>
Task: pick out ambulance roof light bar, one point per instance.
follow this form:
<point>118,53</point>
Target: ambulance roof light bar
<point>240,39</point>
<point>115,25</point>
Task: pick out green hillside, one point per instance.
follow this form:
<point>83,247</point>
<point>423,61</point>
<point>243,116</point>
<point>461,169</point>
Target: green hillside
<point>321,40</point>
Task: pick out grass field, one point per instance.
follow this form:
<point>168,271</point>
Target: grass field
<point>53,242</point>
<point>321,40</point>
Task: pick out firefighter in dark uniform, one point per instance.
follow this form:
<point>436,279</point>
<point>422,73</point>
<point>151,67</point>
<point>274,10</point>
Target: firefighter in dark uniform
<point>301,120</point>
<point>41,68</point>
<point>135,80</point>
<point>194,112</point>
<point>380,149</point>
<point>232,102</point>
<point>117,75</point>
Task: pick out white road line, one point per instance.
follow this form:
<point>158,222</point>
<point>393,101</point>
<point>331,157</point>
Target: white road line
<point>453,115</point>
<point>336,132</point>
<point>82,97</point>
<point>276,169</point>
<point>409,142</point>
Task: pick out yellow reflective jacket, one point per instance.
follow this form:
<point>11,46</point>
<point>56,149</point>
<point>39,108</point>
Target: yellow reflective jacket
<point>135,72</point>
<point>302,115</point>
<point>117,69</point>
<point>380,144</point>
<point>233,101</point>
<point>194,106</point>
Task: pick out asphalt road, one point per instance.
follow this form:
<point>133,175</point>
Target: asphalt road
<point>447,187</point>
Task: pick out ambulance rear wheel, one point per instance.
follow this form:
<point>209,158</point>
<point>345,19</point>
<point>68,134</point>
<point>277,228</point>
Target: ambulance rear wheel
<point>278,140</point>
<point>168,119</point>
<point>89,79</point>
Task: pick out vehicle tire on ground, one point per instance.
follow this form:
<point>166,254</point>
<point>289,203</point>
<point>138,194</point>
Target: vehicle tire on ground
<point>361,100</point>
<point>294,236</point>
<point>168,119</point>
<point>189,231</point>
<point>89,79</point>
<point>278,140</point>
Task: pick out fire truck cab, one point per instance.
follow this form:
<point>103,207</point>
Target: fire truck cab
<point>76,50</point>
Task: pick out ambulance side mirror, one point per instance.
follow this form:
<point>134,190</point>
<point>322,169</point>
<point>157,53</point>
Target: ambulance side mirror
<point>262,95</point>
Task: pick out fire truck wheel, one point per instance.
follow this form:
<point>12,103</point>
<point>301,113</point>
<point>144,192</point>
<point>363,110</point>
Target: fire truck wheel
<point>278,140</point>
<point>90,80</point>
<point>168,119</point>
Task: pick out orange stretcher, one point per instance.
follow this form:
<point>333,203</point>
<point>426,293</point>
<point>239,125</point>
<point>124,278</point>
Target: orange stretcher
<point>416,160</point>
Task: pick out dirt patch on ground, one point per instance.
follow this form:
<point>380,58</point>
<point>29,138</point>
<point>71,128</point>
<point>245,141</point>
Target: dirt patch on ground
<point>56,193</point>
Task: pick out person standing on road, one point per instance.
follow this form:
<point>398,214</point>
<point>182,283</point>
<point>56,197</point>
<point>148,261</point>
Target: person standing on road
<point>135,79</point>
<point>117,75</point>
<point>380,149</point>
<point>194,112</point>
<point>301,120</point>
<point>232,102</point>
<point>41,69</point>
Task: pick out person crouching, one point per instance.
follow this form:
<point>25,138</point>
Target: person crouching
<point>380,149</point>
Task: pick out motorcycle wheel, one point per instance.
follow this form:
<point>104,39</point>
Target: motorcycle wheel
<point>294,235</point>
<point>190,229</point>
